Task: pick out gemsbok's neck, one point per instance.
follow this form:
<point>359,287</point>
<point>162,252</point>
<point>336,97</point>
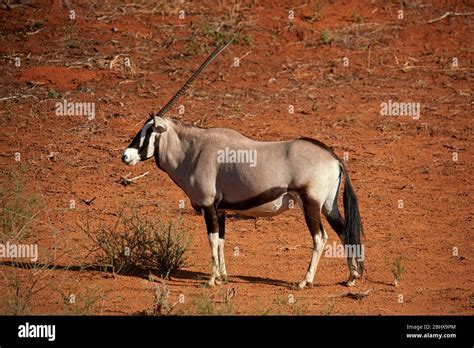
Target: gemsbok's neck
<point>176,144</point>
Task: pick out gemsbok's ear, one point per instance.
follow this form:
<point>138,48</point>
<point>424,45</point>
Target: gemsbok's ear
<point>160,124</point>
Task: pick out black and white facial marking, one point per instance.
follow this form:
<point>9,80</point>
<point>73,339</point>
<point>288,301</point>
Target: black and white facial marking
<point>142,146</point>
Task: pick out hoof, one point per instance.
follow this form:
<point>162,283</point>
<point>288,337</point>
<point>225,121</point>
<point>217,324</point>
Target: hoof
<point>305,284</point>
<point>302,284</point>
<point>350,282</point>
<point>210,283</point>
<point>352,279</point>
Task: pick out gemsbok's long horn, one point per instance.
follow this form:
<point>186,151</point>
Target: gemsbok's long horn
<point>183,89</point>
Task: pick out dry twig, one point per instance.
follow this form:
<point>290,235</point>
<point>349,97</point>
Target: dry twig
<point>124,180</point>
<point>358,295</point>
<point>447,14</point>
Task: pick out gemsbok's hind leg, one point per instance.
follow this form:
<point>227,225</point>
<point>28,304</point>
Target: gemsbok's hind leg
<point>333,216</point>
<point>212,225</point>
<point>221,221</point>
<point>312,217</point>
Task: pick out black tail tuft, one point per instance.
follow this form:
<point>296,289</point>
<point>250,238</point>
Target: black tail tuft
<point>353,225</point>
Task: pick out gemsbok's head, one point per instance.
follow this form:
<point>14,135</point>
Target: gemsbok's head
<point>145,143</point>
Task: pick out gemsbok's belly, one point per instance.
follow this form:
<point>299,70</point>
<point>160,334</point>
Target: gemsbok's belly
<point>275,207</point>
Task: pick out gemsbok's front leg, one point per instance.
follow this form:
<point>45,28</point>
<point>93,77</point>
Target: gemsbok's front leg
<point>221,221</point>
<point>313,221</point>
<point>212,225</point>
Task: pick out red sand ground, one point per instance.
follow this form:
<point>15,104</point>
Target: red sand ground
<point>297,62</point>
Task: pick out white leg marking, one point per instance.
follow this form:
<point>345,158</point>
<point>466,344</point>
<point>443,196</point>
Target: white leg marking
<point>319,241</point>
<point>222,269</point>
<point>214,243</point>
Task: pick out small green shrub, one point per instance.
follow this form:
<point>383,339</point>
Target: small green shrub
<point>136,242</point>
<point>17,209</point>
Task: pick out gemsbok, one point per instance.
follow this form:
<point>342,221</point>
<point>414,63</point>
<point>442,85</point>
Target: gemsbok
<point>220,169</point>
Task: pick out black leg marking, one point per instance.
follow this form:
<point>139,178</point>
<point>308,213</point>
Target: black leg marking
<point>196,208</point>
<point>221,222</point>
<point>210,216</point>
<point>312,215</point>
<point>336,223</point>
